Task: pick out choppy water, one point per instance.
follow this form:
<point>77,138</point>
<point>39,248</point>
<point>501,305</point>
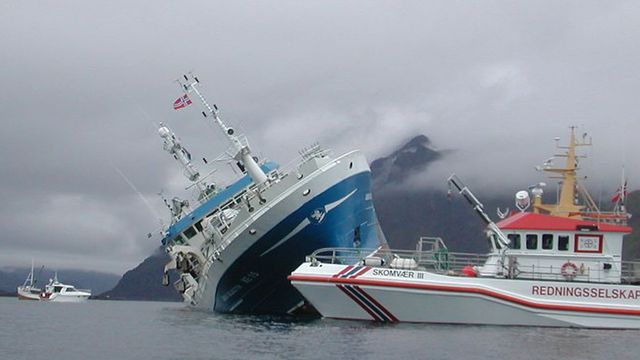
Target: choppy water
<point>152,330</point>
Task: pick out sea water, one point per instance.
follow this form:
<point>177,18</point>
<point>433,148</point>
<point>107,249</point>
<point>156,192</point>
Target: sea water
<point>156,330</point>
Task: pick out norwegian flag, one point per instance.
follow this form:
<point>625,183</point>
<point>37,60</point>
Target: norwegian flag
<point>182,101</point>
<point>620,194</point>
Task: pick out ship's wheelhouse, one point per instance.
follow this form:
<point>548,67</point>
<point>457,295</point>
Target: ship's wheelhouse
<point>557,248</point>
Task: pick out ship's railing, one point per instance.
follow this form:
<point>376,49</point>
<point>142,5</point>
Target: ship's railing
<point>304,155</point>
<point>630,272</point>
<point>250,193</point>
<point>439,260</point>
<point>606,217</point>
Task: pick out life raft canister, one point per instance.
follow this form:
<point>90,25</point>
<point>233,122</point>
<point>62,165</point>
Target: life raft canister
<point>569,270</point>
<point>469,271</point>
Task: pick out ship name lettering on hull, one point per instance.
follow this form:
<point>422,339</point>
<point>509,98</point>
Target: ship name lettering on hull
<point>585,292</point>
<point>397,273</point>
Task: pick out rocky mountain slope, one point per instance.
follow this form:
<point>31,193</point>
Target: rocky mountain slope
<point>144,282</point>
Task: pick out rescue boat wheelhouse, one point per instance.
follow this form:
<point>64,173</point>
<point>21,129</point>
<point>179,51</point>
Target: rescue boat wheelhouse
<point>558,248</point>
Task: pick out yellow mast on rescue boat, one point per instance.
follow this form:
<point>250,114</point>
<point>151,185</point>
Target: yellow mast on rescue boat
<point>567,205</point>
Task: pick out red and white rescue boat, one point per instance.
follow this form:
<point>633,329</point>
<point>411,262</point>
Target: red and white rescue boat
<point>554,267</point>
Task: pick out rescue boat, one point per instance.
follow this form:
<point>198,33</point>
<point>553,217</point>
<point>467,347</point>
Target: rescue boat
<point>557,265</point>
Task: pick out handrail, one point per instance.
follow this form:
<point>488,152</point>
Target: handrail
<point>452,263</point>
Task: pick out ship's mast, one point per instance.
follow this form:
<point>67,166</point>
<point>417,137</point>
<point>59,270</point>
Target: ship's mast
<point>174,146</point>
<point>242,151</point>
<point>30,279</point>
<point>567,204</point>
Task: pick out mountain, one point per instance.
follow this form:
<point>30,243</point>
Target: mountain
<point>409,159</point>
<point>405,215</point>
<point>98,282</point>
<point>144,282</point>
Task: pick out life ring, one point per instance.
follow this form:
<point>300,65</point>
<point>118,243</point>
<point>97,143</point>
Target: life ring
<point>569,270</point>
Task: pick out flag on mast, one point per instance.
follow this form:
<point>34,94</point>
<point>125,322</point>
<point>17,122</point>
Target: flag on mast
<point>182,101</point>
<point>620,194</point>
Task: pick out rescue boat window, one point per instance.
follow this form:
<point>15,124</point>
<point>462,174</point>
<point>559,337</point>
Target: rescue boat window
<point>563,243</point>
<point>515,240</point>
<point>57,289</point>
<point>190,232</point>
<point>532,241</point>
<point>547,241</point>
<point>199,226</point>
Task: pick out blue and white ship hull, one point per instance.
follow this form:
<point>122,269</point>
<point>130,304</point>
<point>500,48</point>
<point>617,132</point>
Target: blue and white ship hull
<point>324,202</point>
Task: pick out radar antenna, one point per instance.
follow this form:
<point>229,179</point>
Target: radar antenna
<point>242,151</point>
<point>173,146</point>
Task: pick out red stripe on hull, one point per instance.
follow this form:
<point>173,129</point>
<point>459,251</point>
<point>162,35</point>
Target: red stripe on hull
<point>343,271</point>
<point>361,272</point>
<point>376,303</point>
<point>363,306</point>
<point>460,289</point>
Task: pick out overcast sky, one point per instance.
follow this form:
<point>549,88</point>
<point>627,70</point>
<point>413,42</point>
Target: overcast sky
<point>83,83</point>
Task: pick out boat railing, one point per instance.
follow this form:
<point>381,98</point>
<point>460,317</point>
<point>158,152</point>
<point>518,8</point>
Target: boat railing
<point>248,195</point>
<point>304,155</point>
<point>439,260</point>
<point>606,217</point>
<point>630,272</point>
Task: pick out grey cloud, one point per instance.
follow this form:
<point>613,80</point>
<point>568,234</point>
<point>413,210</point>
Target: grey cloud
<point>84,84</point>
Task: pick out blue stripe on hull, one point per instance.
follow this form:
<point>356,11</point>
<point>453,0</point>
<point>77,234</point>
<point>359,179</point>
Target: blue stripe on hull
<point>258,284</point>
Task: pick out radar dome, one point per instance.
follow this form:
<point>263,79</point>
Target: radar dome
<point>522,200</point>
<point>163,131</point>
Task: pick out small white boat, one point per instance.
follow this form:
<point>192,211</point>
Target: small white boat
<point>559,265</point>
<point>55,291</point>
<point>28,290</point>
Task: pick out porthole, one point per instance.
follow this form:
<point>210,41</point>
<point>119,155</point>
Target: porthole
<point>306,192</point>
<point>351,165</point>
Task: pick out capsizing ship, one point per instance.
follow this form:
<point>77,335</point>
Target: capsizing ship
<point>233,247</point>
<point>558,265</point>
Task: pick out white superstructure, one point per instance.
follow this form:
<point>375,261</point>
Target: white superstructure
<point>55,291</point>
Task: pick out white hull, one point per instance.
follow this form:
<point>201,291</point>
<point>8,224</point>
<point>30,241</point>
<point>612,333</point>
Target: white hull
<point>56,291</point>
<point>25,293</point>
<point>419,296</point>
<point>61,298</point>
